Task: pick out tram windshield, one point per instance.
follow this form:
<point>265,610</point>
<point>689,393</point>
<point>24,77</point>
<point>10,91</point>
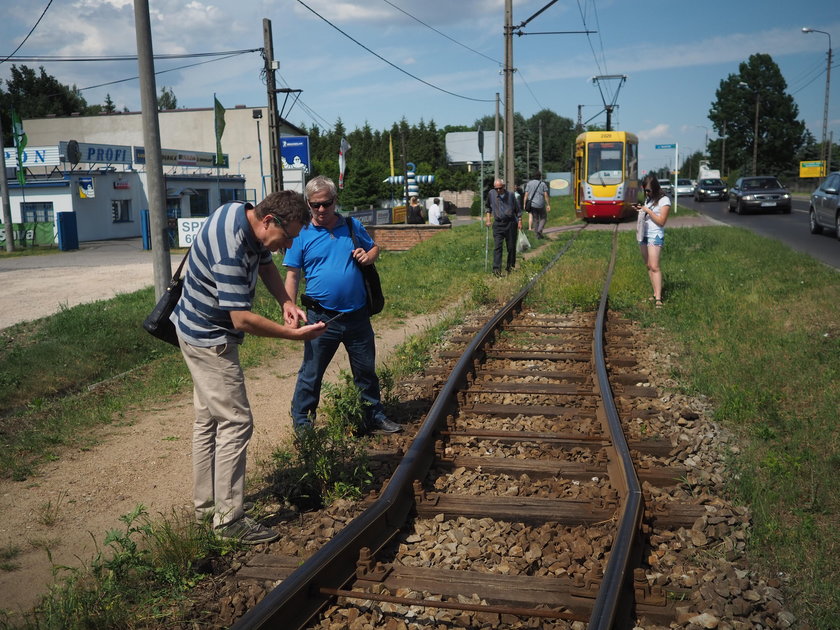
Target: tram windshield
<point>604,166</point>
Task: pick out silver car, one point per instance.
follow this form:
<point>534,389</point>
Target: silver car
<point>824,212</point>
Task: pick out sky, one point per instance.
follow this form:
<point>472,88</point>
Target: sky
<point>377,61</point>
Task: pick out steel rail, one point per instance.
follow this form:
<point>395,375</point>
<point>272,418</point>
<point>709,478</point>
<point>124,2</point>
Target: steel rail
<point>615,581</point>
<point>299,597</point>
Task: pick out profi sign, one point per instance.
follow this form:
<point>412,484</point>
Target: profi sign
<point>33,156</point>
<point>98,153</point>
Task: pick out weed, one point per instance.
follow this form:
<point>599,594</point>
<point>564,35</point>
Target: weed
<point>49,513</point>
<point>7,557</point>
<point>326,461</point>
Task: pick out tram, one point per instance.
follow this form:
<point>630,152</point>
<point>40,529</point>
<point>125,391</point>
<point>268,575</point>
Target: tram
<point>606,178</point>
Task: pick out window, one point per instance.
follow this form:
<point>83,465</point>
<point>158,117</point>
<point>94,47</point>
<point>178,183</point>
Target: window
<point>200,203</point>
<point>37,211</point>
<point>232,194</point>
<point>121,210</point>
<point>605,163</point>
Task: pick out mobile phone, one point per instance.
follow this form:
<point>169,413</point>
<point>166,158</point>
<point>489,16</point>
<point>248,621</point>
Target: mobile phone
<point>332,319</point>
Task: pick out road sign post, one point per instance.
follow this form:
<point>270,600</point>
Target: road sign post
<point>676,147</point>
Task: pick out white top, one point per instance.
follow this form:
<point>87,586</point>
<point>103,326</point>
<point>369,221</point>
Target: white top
<point>651,229</point>
<point>434,214</point>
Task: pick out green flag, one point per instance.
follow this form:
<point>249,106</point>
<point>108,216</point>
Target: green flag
<point>19,136</point>
<point>220,129</point>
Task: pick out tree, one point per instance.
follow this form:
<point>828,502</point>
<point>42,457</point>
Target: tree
<point>780,134</point>
<point>167,99</point>
<point>109,105</point>
<point>37,95</point>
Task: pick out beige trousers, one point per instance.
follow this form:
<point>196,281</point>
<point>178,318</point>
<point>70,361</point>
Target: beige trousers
<point>221,432</point>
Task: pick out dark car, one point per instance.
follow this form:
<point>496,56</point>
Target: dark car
<point>824,212</point>
<point>762,192</point>
<point>707,188</point>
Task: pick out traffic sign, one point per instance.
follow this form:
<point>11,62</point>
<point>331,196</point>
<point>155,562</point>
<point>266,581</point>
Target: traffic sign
<point>666,146</point>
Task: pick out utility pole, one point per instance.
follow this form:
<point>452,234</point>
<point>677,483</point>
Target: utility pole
<point>496,160</point>
<point>7,205</point>
<point>510,175</point>
<point>271,65</point>
<point>540,162</point>
<point>156,188</point>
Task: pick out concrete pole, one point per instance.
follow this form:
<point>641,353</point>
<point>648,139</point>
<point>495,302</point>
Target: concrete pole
<point>273,115</point>
<point>7,205</point>
<point>510,173</point>
<point>155,185</point>
<point>496,161</point>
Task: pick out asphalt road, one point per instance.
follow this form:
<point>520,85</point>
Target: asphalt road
<point>791,229</point>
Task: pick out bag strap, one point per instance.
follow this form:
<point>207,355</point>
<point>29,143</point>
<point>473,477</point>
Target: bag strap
<point>349,221</point>
<point>177,273</point>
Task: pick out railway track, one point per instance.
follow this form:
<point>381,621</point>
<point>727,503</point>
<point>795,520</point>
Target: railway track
<point>535,493</point>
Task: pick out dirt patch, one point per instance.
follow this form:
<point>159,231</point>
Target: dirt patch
<point>145,458</point>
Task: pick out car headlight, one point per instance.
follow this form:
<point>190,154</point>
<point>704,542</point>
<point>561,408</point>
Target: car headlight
<point>786,196</point>
<point>748,197</point>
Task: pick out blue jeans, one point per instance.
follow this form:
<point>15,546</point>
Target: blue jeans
<point>356,333</point>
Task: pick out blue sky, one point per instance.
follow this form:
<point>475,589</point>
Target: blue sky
<point>674,55</point>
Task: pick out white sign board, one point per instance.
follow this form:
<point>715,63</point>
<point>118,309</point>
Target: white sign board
<point>33,156</point>
<point>188,229</point>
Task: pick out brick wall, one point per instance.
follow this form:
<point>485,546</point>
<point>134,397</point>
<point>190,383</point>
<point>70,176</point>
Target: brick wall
<point>400,238</point>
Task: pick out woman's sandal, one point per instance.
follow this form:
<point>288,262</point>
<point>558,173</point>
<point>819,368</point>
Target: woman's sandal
<point>658,303</point>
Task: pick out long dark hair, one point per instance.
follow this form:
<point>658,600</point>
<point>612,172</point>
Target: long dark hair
<point>652,184</point>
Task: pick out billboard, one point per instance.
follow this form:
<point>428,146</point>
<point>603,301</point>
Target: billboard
<point>462,146</point>
<point>294,152</point>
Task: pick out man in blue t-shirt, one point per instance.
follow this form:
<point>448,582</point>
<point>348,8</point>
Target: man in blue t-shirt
<point>326,256</point>
<point>231,249</point>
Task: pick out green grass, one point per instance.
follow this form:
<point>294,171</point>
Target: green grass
<point>754,325</point>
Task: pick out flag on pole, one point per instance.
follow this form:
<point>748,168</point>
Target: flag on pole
<point>342,160</point>
<point>220,129</point>
<point>391,147</point>
<point>19,136</point>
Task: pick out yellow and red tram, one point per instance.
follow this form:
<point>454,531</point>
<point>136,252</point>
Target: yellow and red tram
<point>606,174</point>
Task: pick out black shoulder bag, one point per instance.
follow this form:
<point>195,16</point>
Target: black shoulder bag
<point>375,299</point>
<point>158,323</point>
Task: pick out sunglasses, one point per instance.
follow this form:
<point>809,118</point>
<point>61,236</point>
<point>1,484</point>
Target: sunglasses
<point>647,190</point>
<point>321,204</point>
<point>499,187</point>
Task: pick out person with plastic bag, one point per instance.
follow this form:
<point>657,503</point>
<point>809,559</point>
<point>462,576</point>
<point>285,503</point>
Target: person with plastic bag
<point>506,214</point>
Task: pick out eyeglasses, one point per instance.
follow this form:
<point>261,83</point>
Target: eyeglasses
<point>499,187</point>
<point>321,204</point>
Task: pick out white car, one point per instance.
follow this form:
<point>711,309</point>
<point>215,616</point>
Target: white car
<point>685,187</point>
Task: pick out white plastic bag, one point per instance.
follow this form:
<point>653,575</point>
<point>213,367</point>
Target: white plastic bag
<point>522,243</point>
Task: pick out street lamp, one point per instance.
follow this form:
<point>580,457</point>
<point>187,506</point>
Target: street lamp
<point>755,132</point>
<point>824,152</point>
<point>239,167</point>
<point>706,141</point>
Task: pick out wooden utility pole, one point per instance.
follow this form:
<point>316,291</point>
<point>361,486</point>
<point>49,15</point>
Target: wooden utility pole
<point>271,66</point>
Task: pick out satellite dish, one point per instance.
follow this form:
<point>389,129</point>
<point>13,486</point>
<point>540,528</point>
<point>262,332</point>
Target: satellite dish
<point>74,154</point>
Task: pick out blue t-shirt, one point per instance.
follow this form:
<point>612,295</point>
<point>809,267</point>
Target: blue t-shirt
<point>332,277</point>
<point>222,271</point>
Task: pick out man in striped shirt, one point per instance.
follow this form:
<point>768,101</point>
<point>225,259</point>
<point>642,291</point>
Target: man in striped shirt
<point>231,250</point>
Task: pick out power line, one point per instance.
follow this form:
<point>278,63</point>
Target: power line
<point>190,65</point>
<point>32,30</point>
<point>393,65</point>
<point>57,58</point>
<point>455,41</point>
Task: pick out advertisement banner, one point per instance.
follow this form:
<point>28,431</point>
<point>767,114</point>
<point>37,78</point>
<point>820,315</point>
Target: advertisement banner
<point>29,234</point>
<point>294,152</point>
<point>33,156</point>
<point>174,157</point>
<point>86,190</point>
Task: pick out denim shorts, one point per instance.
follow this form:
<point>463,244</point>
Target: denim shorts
<point>658,241</point>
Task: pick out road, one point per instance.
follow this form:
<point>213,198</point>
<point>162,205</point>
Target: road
<point>37,286</point>
<point>791,229</point>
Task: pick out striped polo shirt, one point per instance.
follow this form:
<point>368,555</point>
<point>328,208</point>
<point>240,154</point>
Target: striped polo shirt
<point>222,271</point>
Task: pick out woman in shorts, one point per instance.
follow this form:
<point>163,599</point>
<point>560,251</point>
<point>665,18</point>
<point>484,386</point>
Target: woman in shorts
<point>653,214</point>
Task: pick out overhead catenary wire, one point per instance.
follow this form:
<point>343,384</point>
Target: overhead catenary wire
<point>393,65</point>
<point>29,34</point>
